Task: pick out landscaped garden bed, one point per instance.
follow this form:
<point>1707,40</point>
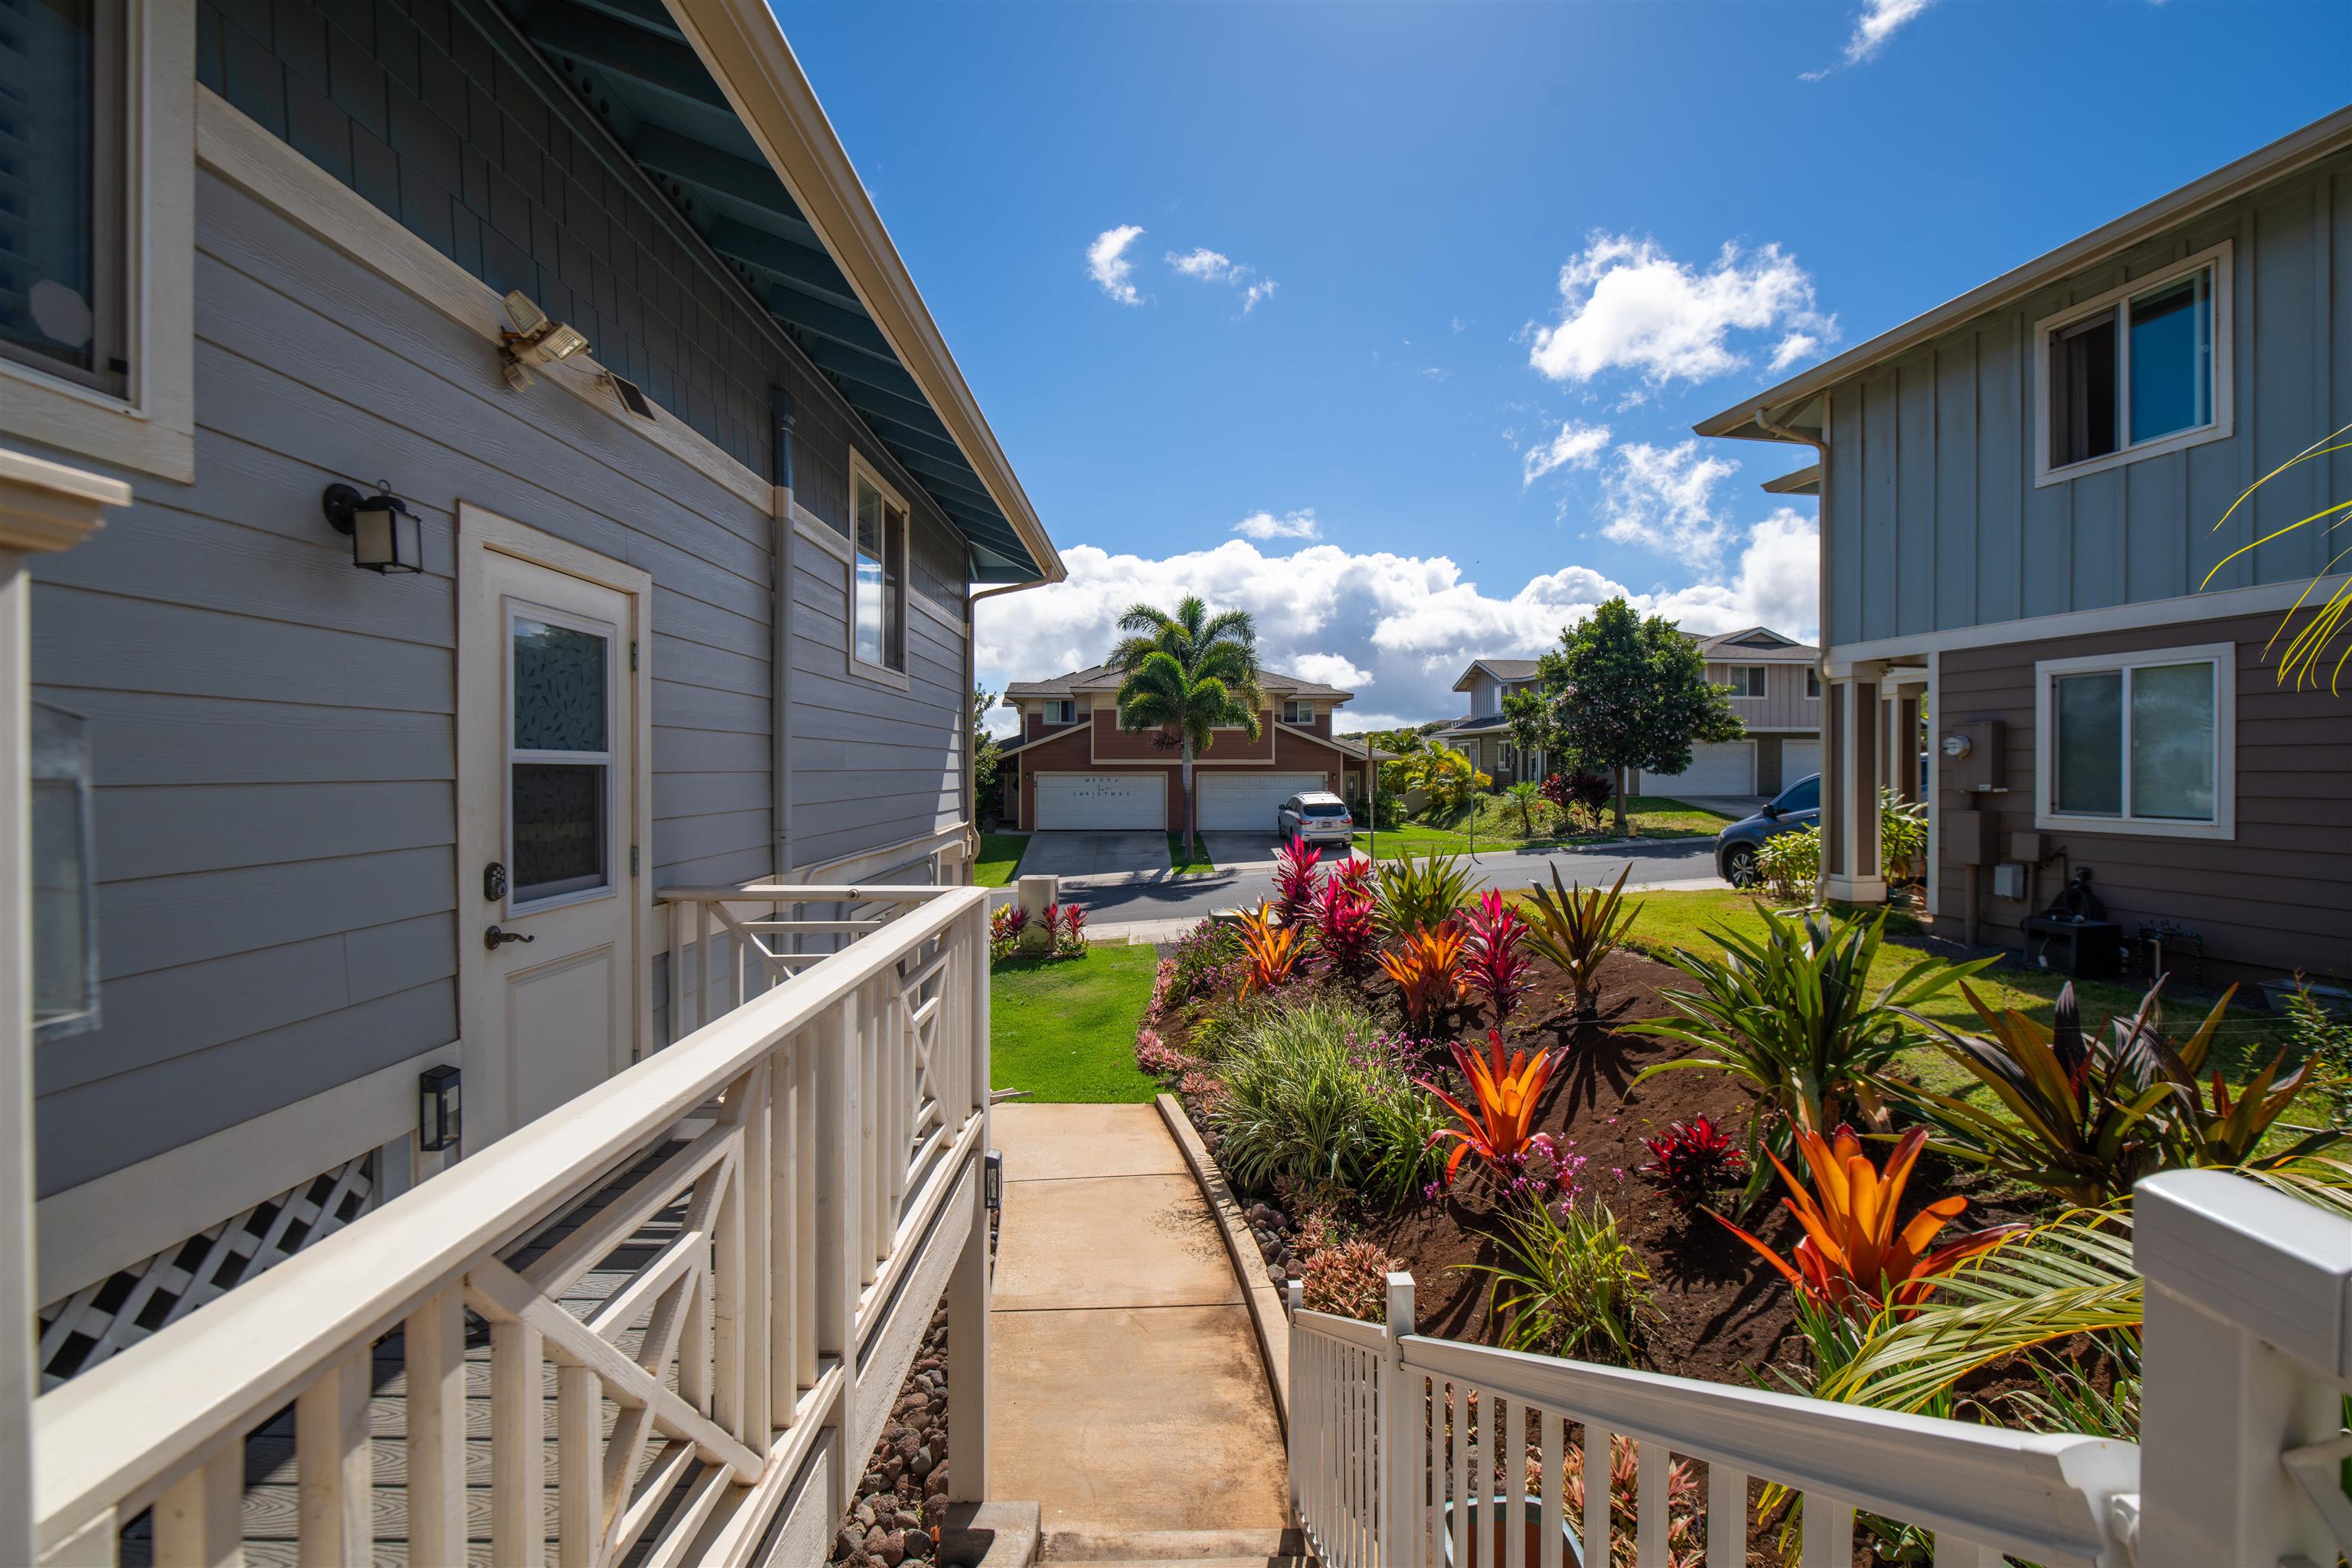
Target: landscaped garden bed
<point>1396,1076</point>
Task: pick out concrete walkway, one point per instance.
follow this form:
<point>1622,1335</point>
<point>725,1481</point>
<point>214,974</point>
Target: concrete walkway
<point>1127,1395</point>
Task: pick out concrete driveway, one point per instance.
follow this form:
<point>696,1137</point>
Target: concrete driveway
<point>1067,854</point>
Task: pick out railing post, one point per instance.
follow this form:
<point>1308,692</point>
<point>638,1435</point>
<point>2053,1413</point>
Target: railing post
<point>1399,1472</point>
<point>969,1349</point>
<point>2246,1351</point>
<point>840,1227</point>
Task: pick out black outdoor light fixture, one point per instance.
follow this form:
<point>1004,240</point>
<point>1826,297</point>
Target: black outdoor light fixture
<point>992,1180</point>
<point>440,1118</point>
<point>385,535</point>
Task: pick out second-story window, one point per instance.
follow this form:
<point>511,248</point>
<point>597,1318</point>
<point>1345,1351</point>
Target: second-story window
<point>878,575</point>
<point>1064,711</point>
<point>1747,680</point>
<point>2140,370</point>
<point>1812,683</point>
<point>1299,713</point>
<point>63,251</point>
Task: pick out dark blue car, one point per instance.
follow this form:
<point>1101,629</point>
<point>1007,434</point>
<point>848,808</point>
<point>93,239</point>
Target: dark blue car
<point>1799,805</point>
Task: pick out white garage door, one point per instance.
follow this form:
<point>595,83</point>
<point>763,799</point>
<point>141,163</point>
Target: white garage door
<point>1798,758</point>
<point>1717,767</point>
<point>1101,800</point>
<point>1246,802</point>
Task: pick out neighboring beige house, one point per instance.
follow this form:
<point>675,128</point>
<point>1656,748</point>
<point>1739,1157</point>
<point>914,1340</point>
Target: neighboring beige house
<point>1775,689</point>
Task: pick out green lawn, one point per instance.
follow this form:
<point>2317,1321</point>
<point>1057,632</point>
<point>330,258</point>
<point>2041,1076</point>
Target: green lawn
<point>1064,1030</point>
<point>2248,1038</point>
<point>1198,861</point>
<point>1000,855</point>
<point>1649,817</point>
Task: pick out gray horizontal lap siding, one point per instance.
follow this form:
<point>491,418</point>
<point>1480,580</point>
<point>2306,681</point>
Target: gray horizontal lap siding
<point>1935,519</point>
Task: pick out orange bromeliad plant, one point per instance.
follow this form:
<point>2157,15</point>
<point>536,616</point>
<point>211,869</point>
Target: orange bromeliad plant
<point>1274,950</point>
<point>1852,1258</point>
<point>1426,967</point>
<point>1503,1127</point>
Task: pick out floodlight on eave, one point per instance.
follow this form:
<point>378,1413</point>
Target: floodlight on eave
<point>744,51</point>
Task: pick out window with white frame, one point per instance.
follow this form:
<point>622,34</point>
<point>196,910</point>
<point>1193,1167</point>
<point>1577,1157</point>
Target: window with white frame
<point>1061,711</point>
<point>1812,683</point>
<point>1297,712</point>
<point>2140,370</point>
<point>1746,680</point>
<point>877,574</point>
<point>2139,743</point>
<point>97,100</point>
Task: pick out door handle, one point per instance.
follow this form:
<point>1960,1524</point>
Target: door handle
<point>494,938</point>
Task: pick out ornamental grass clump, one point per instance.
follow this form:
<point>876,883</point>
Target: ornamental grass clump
<point>1792,1012</point>
<point>1578,928</point>
<point>1494,965</point>
<point>1852,1258</point>
<point>1302,1104</point>
<point>1425,967</point>
<point>1569,1285</point>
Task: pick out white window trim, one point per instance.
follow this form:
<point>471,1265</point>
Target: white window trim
<point>153,430</point>
<point>1055,703</point>
<point>1735,678</point>
<point>880,674</point>
<point>2224,826</point>
<point>1298,711</point>
<point>2224,365</point>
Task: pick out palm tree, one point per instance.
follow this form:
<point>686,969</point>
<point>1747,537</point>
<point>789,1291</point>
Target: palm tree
<point>1185,674</point>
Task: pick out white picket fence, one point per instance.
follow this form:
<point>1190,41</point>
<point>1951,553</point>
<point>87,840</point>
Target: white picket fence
<point>2247,1351</point>
<point>808,1168</point>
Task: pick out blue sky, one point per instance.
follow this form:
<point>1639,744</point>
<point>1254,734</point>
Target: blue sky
<point>1423,300</point>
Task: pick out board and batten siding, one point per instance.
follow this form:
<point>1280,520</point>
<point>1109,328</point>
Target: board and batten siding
<point>1935,521</point>
<point>2276,898</point>
<point>1783,706</point>
<point>273,731</point>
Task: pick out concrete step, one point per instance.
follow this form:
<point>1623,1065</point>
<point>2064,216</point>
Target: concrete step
<point>1172,1547</point>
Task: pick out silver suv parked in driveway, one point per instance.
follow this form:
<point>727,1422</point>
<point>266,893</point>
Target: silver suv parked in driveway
<point>1316,815</point>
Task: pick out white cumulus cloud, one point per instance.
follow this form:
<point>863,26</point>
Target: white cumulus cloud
<point>1575,446</point>
<point>1663,497</point>
<point>1626,304</point>
<point>1108,263</point>
<point>1877,23</point>
<point>1202,263</point>
<point>1254,292</point>
<point>1289,525</point>
<point>1207,266</point>
<point>1403,627</point>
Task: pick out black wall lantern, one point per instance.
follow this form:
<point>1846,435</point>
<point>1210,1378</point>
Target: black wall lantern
<point>385,535</point>
<point>440,1118</point>
<point>992,1180</point>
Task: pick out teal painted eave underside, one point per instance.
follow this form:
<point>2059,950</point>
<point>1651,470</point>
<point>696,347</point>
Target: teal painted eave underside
<point>627,63</point>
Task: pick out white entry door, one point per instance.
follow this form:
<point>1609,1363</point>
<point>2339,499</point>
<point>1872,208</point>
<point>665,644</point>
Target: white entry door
<point>1717,767</point>
<point>1246,803</point>
<point>550,788</point>
<point>1102,801</point>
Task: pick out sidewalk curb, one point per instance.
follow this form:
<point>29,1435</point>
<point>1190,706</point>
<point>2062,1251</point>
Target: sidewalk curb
<point>1268,1315</point>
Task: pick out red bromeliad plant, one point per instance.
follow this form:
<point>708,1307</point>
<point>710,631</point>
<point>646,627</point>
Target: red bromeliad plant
<point>1506,1089</point>
<point>1344,924</point>
<point>1692,1158</point>
<point>1493,967</point>
<point>1425,967</point>
<point>1296,881</point>
<point>1852,1258</point>
<point>1273,950</point>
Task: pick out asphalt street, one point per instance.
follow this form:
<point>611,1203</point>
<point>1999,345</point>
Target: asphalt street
<point>1192,897</point>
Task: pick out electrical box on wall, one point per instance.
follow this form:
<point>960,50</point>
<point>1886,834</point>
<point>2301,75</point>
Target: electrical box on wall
<point>1971,754</point>
<point>2008,880</point>
<point>1970,837</point>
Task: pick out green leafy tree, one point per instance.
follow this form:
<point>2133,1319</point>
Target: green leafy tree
<point>1625,693</point>
<point>986,754</point>
<point>1184,675</point>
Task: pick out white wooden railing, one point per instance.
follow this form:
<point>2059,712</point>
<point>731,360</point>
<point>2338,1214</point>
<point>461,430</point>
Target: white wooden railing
<point>2247,1351</point>
<point>727,1254</point>
<point>729,944</point>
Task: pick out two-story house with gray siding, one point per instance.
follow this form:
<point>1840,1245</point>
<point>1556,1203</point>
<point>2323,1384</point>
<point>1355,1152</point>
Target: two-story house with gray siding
<point>677,592</point>
<point>1483,735</point>
<point>2023,493</point>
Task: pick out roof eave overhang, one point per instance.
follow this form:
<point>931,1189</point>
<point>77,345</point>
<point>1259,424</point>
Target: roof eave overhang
<point>2282,157</point>
<point>745,52</point>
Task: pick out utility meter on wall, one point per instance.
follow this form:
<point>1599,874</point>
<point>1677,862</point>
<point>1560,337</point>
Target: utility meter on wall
<point>1971,752</point>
